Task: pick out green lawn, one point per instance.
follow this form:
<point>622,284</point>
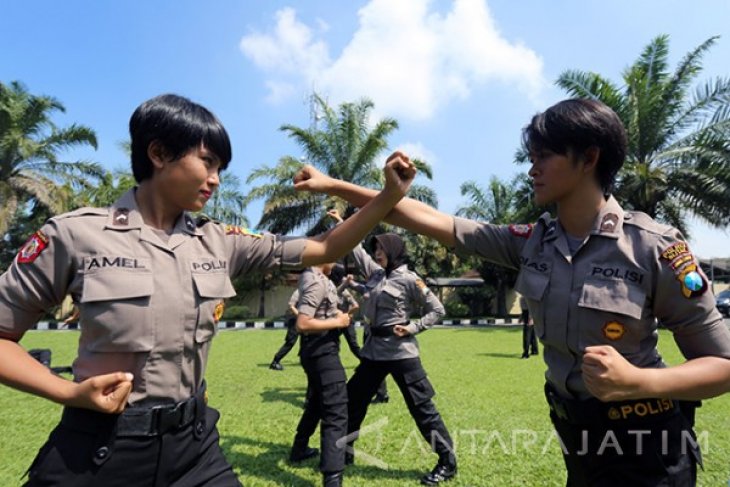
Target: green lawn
<point>491,401</point>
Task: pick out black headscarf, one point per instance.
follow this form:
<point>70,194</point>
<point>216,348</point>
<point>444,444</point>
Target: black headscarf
<point>394,248</point>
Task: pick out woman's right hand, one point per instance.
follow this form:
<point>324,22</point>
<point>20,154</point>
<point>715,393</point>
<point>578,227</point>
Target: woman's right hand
<point>335,215</point>
<point>106,393</point>
<point>310,179</point>
<point>344,319</point>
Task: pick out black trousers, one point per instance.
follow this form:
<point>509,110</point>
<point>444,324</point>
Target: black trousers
<point>417,392</point>
<point>351,336</point>
<point>382,390</point>
<point>326,405</point>
<point>647,453</point>
<point>289,340</point>
<point>91,454</point>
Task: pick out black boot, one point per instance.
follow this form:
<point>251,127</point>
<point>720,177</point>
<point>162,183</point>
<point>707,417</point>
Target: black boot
<point>275,365</point>
<point>300,452</point>
<point>442,472</point>
<point>380,399</point>
<point>332,479</point>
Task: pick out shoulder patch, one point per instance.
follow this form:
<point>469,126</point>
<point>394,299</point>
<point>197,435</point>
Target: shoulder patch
<point>36,244</point>
<point>682,262</point>
<point>422,286</point>
<point>235,230</point>
<point>521,230</point>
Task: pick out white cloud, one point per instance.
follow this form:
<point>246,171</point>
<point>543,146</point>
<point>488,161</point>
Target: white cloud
<point>408,59</point>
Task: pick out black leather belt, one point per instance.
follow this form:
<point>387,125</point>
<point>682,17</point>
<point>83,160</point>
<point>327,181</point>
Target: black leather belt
<point>382,331</point>
<point>137,421</point>
<point>592,410</point>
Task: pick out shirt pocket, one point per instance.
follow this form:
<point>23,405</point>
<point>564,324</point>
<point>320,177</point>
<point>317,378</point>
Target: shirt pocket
<point>211,289</point>
<point>611,313</point>
<point>115,308</point>
<point>391,300</point>
<point>532,285</point>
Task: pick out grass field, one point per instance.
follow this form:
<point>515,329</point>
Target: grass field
<point>491,401</point>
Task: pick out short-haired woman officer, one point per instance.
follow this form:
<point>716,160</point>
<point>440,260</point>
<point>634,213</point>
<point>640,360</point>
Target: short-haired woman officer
<point>598,280</point>
<point>149,280</point>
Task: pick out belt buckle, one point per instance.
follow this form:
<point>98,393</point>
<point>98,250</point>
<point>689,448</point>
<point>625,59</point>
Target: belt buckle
<point>166,418</point>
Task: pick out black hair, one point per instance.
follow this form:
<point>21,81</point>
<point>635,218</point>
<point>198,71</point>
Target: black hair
<point>337,274</point>
<point>577,125</point>
<point>178,125</point>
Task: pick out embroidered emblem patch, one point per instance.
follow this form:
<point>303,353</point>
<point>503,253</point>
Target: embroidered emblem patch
<point>422,286</point>
<point>692,282</point>
<point>121,216</point>
<point>613,330</point>
<point>32,248</point>
<point>609,223</point>
<point>219,309</point>
<point>521,230</point>
<point>235,230</point>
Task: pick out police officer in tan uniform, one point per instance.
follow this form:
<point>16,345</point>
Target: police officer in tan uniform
<point>598,281</point>
<point>393,293</point>
<point>149,280</point>
<point>291,332</point>
<point>320,322</point>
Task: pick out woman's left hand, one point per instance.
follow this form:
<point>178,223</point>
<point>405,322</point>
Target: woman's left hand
<point>609,376</point>
<point>401,331</point>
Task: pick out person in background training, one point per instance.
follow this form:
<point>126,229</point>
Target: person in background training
<point>291,332</point>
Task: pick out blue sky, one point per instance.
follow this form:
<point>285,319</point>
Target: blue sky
<point>461,77</point>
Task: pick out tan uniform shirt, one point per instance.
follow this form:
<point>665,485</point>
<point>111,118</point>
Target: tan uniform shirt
<point>391,300</point>
<point>318,299</point>
<point>147,306</point>
<point>629,274</point>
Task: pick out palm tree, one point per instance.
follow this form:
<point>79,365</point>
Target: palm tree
<point>678,159</point>
<point>30,143</point>
<point>228,204</point>
<point>500,203</point>
<point>345,148</point>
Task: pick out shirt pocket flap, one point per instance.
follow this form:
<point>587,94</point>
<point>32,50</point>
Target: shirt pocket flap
<point>532,285</point>
<point>112,284</point>
<point>614,296</point>
<point>214,285</point>
<point>392,290</point>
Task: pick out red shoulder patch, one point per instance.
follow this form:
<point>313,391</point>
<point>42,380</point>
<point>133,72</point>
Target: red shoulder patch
<point>33,248</point>
<point>522,230</point>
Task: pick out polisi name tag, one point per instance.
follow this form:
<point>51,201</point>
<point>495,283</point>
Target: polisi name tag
<point>210,265</point>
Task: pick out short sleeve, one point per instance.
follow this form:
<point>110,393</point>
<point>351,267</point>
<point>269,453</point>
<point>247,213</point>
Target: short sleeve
<point>500,244</point>
<point>312,292</point>
<point>683,302</point>
<point>36,281</point>
<point>252,251</point>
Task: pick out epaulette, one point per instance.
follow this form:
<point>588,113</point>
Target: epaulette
<point>645,222</point>
<point>85,211</point>
<point>204,219</point>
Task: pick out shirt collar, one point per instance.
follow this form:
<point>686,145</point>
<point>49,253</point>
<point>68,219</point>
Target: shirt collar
<point>124,215</point>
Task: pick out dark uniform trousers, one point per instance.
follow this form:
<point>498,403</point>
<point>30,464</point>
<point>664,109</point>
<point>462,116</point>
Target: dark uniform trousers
<point>657,449</point>
<point>326,405</point>
<point>177,447</point>
<point>529,340</point>
<point>289,340</point>
<point>382,390</point>
<point>351,336</point>
<point>417,393</point>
